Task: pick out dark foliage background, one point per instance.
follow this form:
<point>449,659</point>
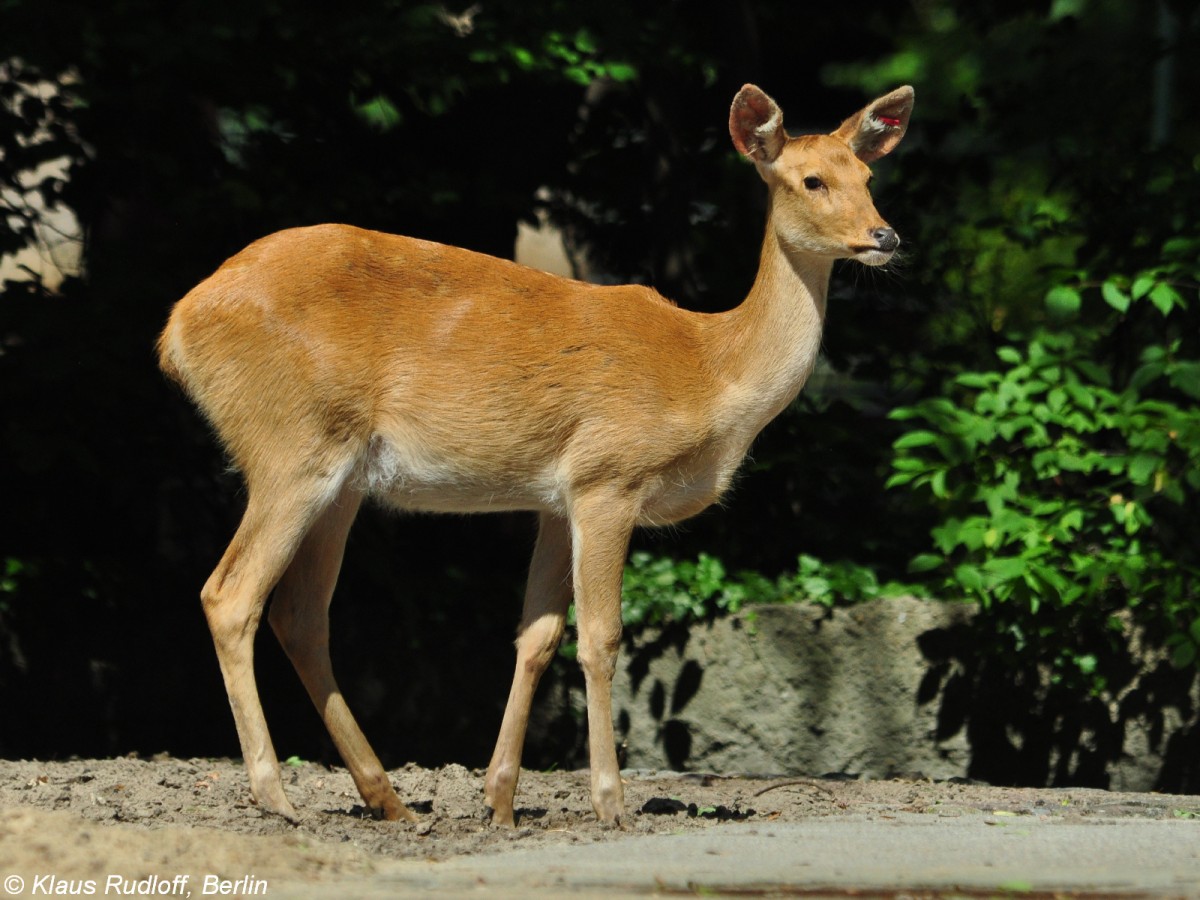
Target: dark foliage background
<point>1053,142</point>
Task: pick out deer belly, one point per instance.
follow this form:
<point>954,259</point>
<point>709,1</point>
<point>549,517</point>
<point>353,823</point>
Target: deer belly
<point>409,476</point>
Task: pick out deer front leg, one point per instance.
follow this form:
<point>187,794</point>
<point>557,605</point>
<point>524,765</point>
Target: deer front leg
<point>601,528</point>
<point>547,594</point>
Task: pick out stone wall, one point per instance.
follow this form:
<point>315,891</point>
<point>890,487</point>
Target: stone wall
<point>895,687</point>
<point>790,689</point>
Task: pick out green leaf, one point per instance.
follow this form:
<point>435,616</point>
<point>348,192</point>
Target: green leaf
<point>1181,248</point>
<point>379,112</point>
<point>1063,301</point>
<point>1165,298</point>
<point>955,532</point>
<point>585,41</point>
<point>1115,296</point>
<point>1145,374</point>
<point>1142,468</point>
<point>1078,462</point>
<point>1009,355</point>
<point>1141,286</point>
<point>914,439</point>
<point>977,380</point>
<point>926,562</point>
<point>937,484</point>
<point>970,578</point>
<point>1072,520</point>
<point>1005,568</point>
<point>522,57</point>
<point>581,75</point>
<point>621,72</point>
<point>899,480</point>
<point>1185,377</point>
<point>1183,655</point>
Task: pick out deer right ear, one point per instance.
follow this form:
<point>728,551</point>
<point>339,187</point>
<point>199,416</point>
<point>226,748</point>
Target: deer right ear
<point>756,125</point>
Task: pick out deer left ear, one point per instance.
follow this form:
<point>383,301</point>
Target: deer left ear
<point>876,129</point>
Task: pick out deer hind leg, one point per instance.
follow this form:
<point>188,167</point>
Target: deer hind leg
<point>601,527</point>
<point>299,616</point>
<point>547,594</point>
<point>274,523</point>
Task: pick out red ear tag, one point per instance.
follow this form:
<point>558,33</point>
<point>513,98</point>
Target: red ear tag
<point>889,121</point>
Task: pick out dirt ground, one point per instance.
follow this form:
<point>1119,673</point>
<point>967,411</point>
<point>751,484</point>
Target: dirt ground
<point>136,818</point>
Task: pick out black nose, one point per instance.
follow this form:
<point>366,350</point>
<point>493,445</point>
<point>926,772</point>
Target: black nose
<point>886,238</point>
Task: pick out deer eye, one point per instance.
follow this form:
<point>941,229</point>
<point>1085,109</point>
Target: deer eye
<point>813,183</point>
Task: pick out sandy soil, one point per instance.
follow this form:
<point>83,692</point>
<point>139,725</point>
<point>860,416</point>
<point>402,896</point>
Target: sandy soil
<point>136,819</point>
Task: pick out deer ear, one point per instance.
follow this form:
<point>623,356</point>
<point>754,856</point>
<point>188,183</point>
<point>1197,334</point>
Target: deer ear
<point>876,129</point>
<point>756,125</point>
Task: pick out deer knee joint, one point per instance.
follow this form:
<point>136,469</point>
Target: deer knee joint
<point>537,644</point>
<point>598,656</point>
<point>224,621</point>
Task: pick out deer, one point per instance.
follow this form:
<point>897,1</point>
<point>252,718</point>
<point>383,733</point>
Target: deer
<point>338,365</point>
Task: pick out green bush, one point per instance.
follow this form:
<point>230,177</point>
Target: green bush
<point>659,590</point>
<point>1065,478</point>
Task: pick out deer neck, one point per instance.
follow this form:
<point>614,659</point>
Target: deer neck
<point>767,347</point>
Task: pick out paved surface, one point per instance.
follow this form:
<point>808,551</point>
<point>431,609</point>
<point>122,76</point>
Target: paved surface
<point>905,855</point>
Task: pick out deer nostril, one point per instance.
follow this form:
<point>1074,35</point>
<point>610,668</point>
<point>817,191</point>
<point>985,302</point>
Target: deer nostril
<point>886,238</point>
